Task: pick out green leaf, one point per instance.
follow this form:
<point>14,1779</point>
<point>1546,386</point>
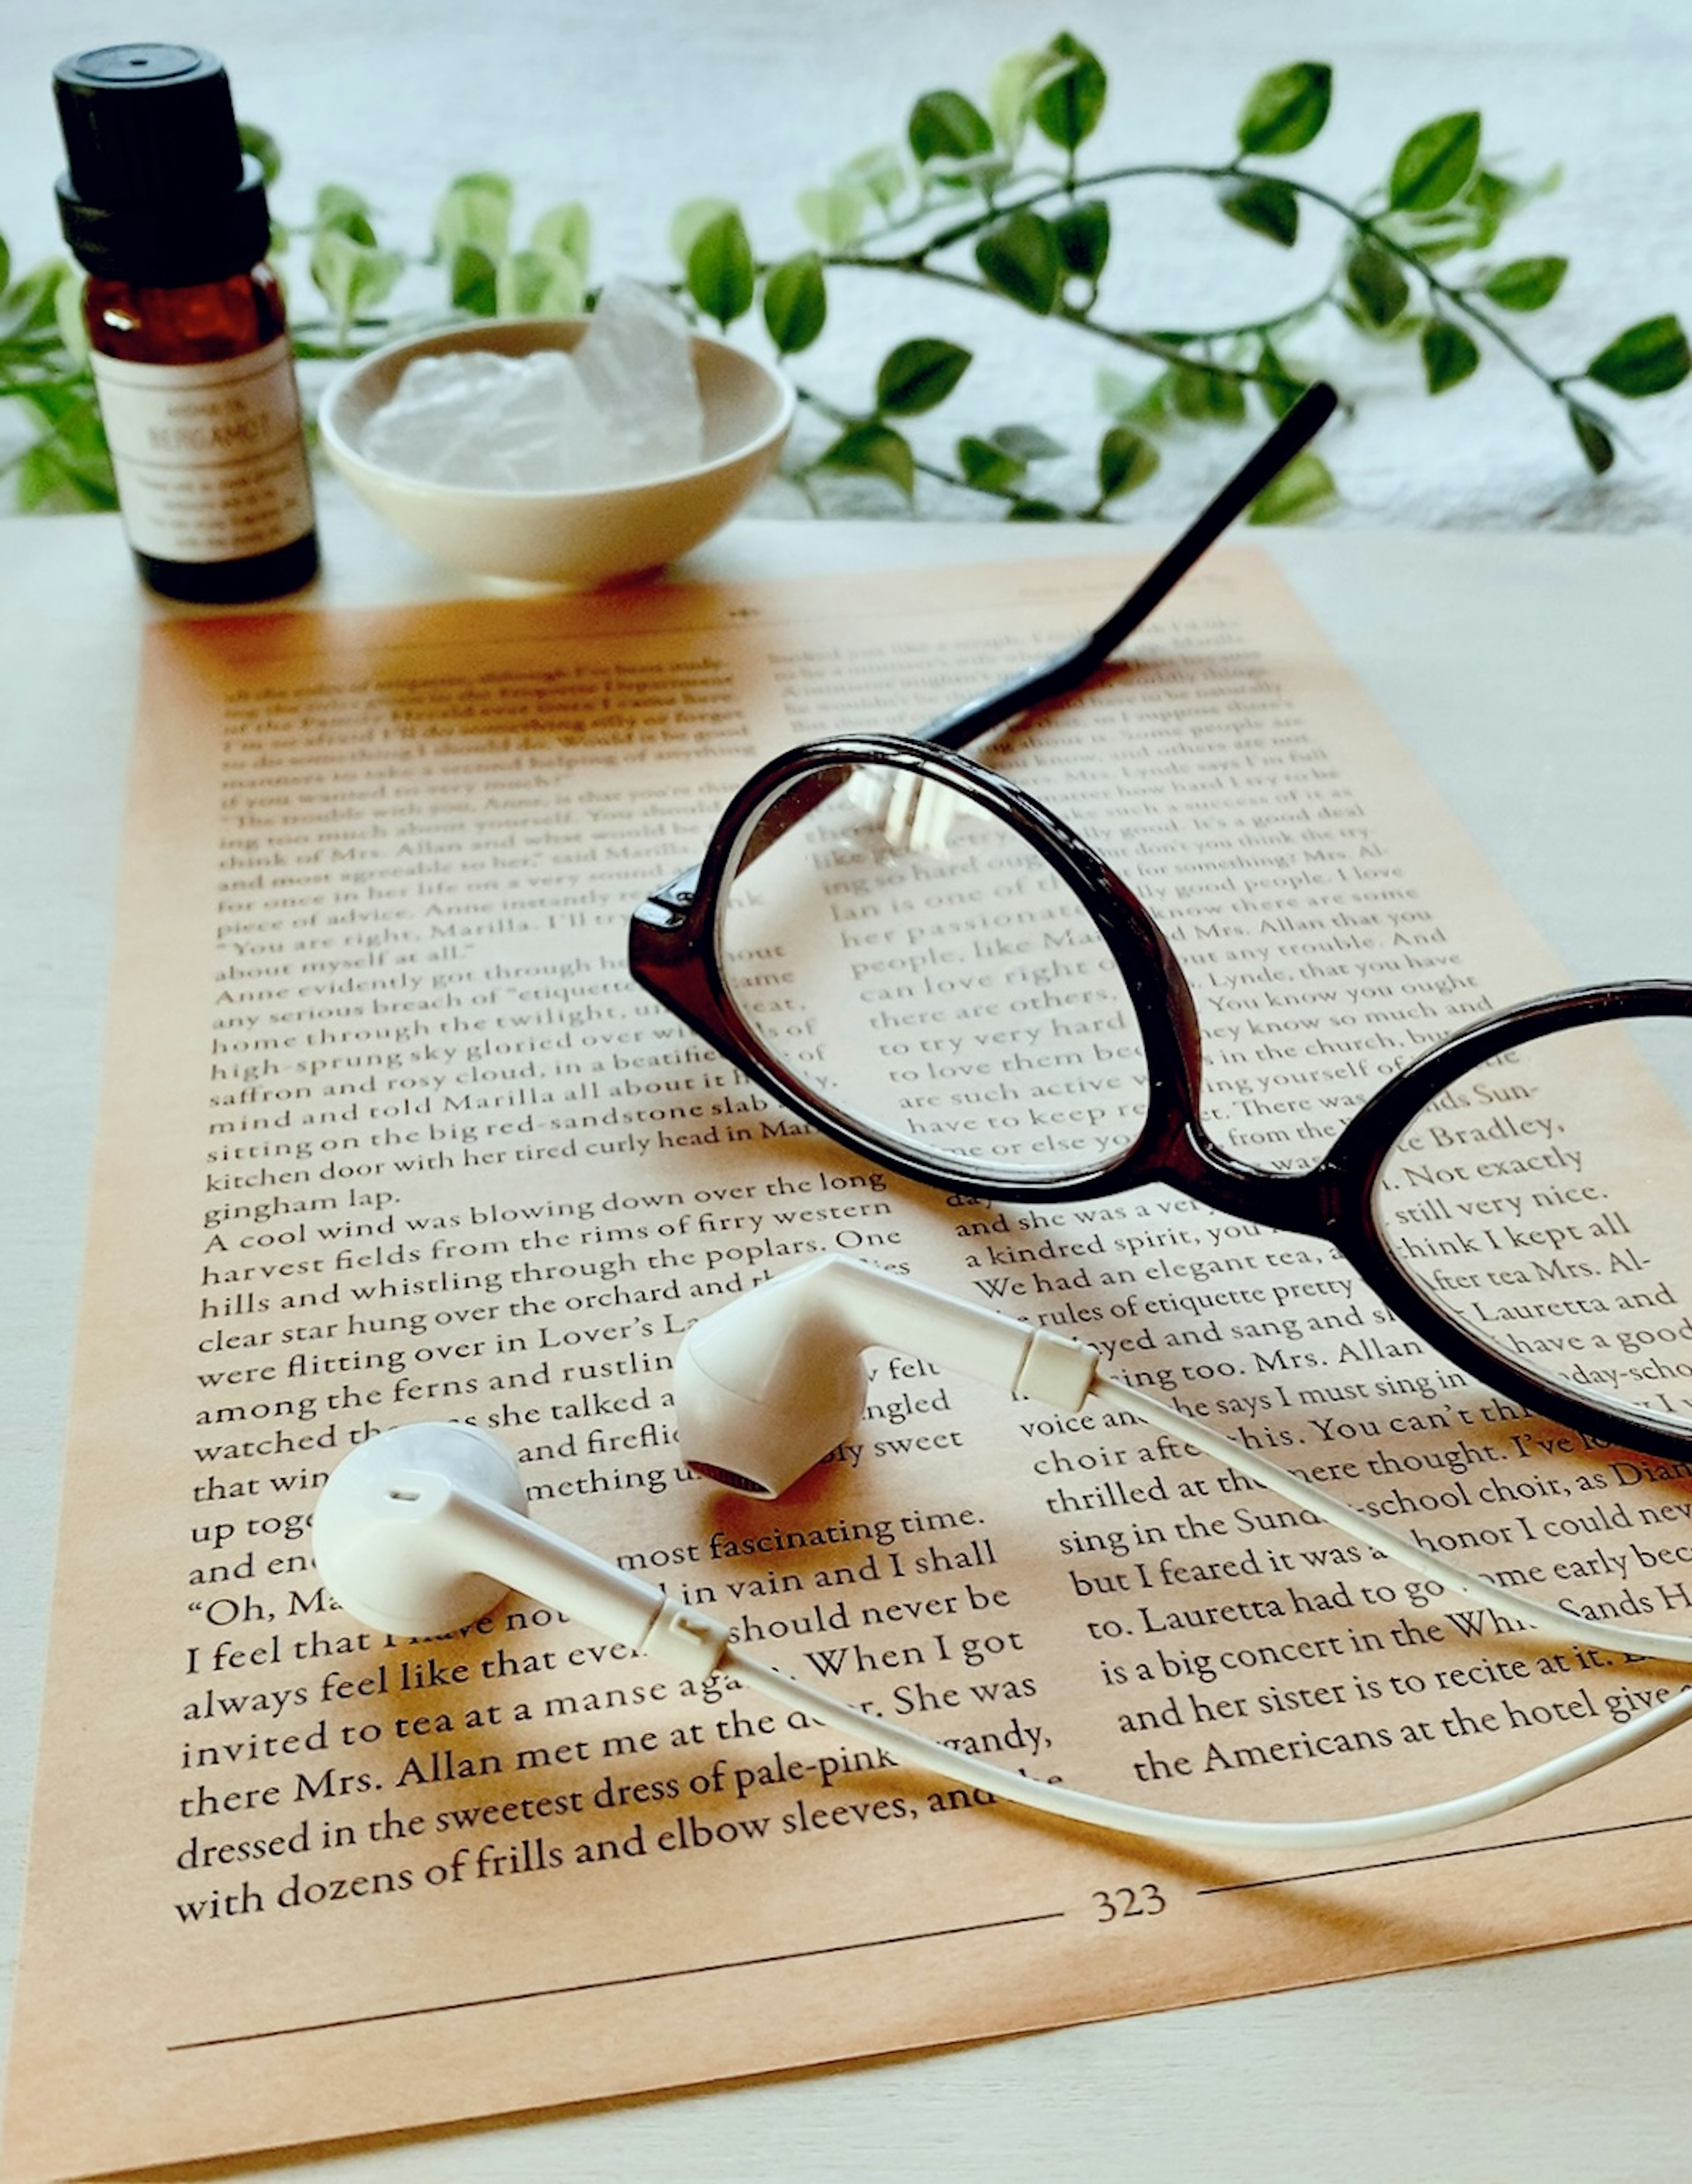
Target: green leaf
<point>1265,207</point>
<point>1448,356</point>
<point>40,481</point>
<point>1027,443</point>
<point>990,468</point>
<point>871,447</point>
<point>918,375</point>
<point>1526,284</point>
<point>1066,110</point>
<point>80,431</point>
<point>474,282</point>
<point>836,215</point>
<point>476,211</point>
<point>75,422</point>
<point>690,219</point>
<point>1035,511</point>
<point>880,170</point>
<point>261,146</point>
<point>1125,460</point>
<point>1491,198</point>
<point>1435,163</point>
<point>532,284</point>
<point>567,228</point>
<point>70,466</point>
<point>1191,394</point>
<point>721,275</point>
<point>374,277</point>
<point>1432,236</point>
<point>73,327</point>
<point>353,276</point>
<point>97,495</point>
<point>1149,405</point>
<point>1304,489</point>
<point>53,400</point>
<point>1205,396</point>
<point>30,305</point>
<point>1013,83</point>
<point>348,224</point>
<point>1408,326</point>
<point>342,212</point>
<point>1285,110</point>
<point>985,172</point>
<point>944,126</point>
<point>1278,389</point>
<point>5,265</point>
<point>485,180</point>
<point>1084,237</point>
<point>1021,259</point>
<point>34,313</point>
<point>354,224</point>
<point>1378,282</point>
<point>1596,443</point>
<point>795,303</point>
<point>1648,358</point>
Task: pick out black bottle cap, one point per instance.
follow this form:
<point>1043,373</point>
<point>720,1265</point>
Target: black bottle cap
<point>159,192</point>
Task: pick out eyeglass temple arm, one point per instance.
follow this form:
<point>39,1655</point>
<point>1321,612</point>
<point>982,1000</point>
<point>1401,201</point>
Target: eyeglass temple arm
<point>1065,670</point>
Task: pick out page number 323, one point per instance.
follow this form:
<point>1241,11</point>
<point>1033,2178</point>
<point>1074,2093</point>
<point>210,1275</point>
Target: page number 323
<point>1112,1904</point>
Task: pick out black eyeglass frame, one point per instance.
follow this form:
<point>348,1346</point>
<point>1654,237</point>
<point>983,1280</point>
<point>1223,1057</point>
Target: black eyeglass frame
<point>672,955</point>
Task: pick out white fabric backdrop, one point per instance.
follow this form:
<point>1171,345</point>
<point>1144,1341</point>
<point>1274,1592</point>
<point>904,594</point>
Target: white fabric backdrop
<point>635,107</point>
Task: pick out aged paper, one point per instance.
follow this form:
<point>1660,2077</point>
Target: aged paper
<point>389,1135</point>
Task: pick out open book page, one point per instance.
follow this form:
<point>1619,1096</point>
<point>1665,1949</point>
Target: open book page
<point>390,1135</point>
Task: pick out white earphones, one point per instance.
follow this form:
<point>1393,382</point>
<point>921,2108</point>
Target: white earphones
<point>421,1530</point>
<point>767,1386</point>
<point>747,1416</point>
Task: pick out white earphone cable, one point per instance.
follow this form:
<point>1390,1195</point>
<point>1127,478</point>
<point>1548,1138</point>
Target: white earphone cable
<point>1559,1622</point>
<point>423,1529</point>
<point>1194,1829</point>
<point>1513,1608</point>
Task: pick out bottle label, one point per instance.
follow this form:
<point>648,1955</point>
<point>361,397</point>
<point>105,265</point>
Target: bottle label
<point>209,461</point>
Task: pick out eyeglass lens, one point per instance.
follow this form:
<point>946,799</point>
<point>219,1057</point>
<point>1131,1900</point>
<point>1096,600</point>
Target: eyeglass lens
<point>916,964</point>
<point>1544,1203</point>
<point>920,965</point>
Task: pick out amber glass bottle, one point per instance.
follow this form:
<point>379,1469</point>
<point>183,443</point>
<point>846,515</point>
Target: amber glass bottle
<point>191,355</point>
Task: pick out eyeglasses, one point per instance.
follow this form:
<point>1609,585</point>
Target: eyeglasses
<point>917,957</point>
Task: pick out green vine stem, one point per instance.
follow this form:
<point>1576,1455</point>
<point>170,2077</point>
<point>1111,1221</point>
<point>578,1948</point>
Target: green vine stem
<point>971,202</point>
<point>916,262</point>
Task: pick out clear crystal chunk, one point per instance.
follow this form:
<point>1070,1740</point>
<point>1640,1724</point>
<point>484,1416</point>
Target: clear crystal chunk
<point>622,406</point>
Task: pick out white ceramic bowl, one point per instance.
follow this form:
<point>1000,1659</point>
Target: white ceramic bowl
<point>591,536</point>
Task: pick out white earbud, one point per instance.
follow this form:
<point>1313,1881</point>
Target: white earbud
<point>767,1386</point>
<point>421,1530</point>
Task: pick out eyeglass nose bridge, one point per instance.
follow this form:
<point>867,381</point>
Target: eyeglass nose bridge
<point>1312,1202</point>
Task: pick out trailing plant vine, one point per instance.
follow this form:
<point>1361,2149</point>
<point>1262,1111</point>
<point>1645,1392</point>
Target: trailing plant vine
<point>995,200</point>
